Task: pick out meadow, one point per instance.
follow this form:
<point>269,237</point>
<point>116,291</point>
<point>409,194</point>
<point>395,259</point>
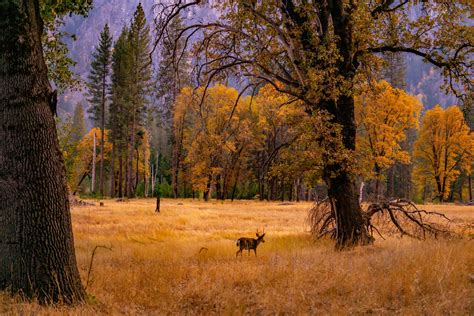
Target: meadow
<point>182,261</point>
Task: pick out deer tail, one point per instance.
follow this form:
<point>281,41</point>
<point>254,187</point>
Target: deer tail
<point>237,243</point>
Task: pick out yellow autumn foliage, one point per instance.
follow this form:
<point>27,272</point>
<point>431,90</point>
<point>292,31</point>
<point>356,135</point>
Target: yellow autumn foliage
<point>84,152</point>
<point>444,148</point>
<point>213,131</point>
<point>383,115</point>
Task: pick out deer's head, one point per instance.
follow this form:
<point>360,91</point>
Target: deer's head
<point>260,236</point>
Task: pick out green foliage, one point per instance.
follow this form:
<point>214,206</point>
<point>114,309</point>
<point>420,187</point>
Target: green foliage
<point>98,79</point>
<point>120,90</point>
<point>141,67</point>
<point>130,91</point>
<point>54,48</point>
<point>164,190</point>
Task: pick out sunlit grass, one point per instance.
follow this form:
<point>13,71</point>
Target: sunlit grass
<point>156,266</point>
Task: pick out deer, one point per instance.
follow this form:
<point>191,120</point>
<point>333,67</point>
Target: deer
<point>249,243</point>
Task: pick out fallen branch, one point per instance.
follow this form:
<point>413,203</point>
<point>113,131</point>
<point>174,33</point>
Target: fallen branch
<point>398,216</point>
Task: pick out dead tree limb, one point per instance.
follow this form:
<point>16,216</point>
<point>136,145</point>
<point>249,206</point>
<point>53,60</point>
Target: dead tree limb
<point>92,261</point>
<point>398,216</point>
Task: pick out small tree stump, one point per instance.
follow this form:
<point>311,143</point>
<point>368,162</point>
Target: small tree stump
<point>157,210</point>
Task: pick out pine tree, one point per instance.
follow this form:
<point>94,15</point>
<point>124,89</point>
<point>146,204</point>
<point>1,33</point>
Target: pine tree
<point>140,84</point>
<point>119,107</point>
<point>99,90</point>
<point>98,79</point>
<point>78,124</point>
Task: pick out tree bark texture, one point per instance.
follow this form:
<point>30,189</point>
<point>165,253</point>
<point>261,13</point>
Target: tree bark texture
<point>112,168</point>
<point>342,188</point>
<point>36,241</point>
<point>94,160</point>
<point>130,190</point>
<point>102,141</point>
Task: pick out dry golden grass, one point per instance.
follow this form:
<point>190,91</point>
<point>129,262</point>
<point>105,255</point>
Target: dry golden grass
<point>155,266</point>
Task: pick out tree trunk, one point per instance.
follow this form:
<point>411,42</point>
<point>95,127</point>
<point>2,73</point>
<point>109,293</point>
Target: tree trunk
<point>102,136</point>
<point>93,165</point>
<point>145,183</point>
<point>137,173</point>
<point>291,185</point>
<point>177,141</point>
<point>390,192</point>
<point>36,241</point>
<point>342,189</point>
<point>120,177</point>
<point>158,198</point>
<point>378,174</point>
<point>469,183</point>
<point>299,190</point>
<point>234,188</point>
<point>218,187</point>
<point>460,195</point>
<point>261,191</point>
<point>174,179</point>
<point>130,191</point>
<point>283,191</point>
<point>439,188</point>
<point>208,189</point>
<point>112,168</point>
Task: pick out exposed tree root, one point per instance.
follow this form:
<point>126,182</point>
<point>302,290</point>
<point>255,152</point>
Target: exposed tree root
<point>394,217</point>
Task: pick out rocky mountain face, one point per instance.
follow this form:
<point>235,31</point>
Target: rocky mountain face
<point>422,79</point>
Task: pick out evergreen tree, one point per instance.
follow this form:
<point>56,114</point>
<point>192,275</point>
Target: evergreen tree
<point>140,84</point>
<point>98,90</point>
<point>119,108</point>
<point>78,124</point>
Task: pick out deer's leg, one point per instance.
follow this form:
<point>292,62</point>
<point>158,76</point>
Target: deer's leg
<point>255,251</point>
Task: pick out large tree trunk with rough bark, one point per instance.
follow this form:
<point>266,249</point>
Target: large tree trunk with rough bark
<point>350,227</point>
<point>342,189</point>
<point>36,242</point>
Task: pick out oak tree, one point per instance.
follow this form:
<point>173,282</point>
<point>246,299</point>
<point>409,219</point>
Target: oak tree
<point>383,116</point>
<point>319,51</point>
<point>37,255</point>
<point>444,148</point>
